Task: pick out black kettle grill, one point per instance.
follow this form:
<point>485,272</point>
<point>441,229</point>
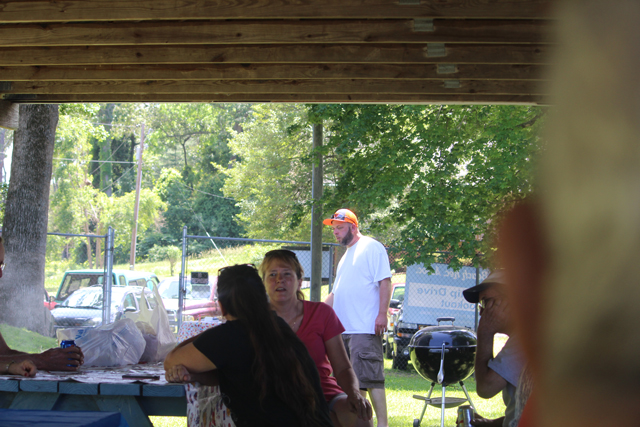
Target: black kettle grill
<point>444,355</point>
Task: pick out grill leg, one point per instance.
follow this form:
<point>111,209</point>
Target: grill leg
<point>417,421</point>
<point>468,397</point>
<point>442,411</point>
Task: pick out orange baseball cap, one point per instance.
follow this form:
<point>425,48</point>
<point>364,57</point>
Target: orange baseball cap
<point>342,215</point>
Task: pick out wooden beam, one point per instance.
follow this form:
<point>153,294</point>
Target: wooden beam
<point>133,10</point>
<point>275,71</point>
<point>357,98</point>
<point>8,115</point>
<point>274,32</point>
<point>315,53</point>
<point>493,87</point>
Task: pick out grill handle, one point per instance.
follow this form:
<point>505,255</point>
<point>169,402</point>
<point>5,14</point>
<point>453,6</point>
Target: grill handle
<point>445,319</point>
<point>441,372</point>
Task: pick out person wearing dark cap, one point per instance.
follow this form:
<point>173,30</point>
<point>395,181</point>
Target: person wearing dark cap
<point>502,372</point>
<point>360,298</point>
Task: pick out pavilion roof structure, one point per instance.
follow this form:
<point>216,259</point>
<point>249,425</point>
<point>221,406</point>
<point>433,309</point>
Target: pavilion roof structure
<point>311,51</point>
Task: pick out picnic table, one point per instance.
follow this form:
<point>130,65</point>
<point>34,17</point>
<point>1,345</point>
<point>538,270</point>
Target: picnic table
<point>98,389</point>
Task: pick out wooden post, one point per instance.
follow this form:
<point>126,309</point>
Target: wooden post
<point>316,217</point>
<point>134,231</point>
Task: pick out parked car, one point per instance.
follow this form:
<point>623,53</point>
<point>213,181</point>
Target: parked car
<point>401,335</point>
<point>49,302</point>
<point>397,298</point>
<point>78,279</point>
<point>199,301</point>
<point>83,308</point>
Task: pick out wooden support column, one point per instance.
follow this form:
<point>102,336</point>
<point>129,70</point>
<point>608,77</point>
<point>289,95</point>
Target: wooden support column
<point>316,217</point>
<point>8,115</point>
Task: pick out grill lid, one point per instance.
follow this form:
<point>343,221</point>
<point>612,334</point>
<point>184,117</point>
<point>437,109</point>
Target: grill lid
<point>450,335</point>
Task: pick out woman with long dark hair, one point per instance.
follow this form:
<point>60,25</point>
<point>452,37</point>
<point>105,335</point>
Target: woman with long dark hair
<point>266,375</point>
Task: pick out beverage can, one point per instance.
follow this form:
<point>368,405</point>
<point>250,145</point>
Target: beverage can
<point>465,416</point>
<point>67,343</point>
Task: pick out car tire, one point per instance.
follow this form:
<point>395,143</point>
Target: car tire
<point>388,353</point>
<point>400,362</point>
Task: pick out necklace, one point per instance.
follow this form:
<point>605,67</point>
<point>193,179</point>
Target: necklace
<point>297,318</point>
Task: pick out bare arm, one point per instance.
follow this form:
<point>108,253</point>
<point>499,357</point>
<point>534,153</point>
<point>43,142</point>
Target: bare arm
<point>184,360</point>
<point>488,382</point>
<point>329,300</point>
<point>54,359</point>
<point>346,377</point>
<point>385,297</point>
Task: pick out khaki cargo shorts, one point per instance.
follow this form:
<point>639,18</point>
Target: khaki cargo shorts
<point>365,353</point>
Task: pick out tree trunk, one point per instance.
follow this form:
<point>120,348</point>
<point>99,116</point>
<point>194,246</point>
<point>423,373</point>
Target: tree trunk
<point>26,217</point>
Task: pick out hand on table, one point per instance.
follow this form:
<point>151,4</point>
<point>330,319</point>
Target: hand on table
<point>26,368</point>
<point>177,374</point>
<point>60,359</point>
<point>360,406</point>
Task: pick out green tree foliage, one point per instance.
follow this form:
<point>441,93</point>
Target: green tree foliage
<point>436,174</point>
<point>271,176</point>
<point>169,253</point>
<point>76,205</point>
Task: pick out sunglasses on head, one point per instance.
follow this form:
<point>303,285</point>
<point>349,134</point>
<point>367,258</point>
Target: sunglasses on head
<point>281,252</point>
<point>220,270</point>
<point>339,216</point>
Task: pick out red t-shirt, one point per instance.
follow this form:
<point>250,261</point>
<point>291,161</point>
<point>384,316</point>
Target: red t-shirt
<point>319,325</point>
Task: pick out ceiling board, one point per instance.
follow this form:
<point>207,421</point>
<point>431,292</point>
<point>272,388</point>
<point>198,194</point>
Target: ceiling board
<point>127,10</point>
<point>287,53</point>
<point>280,71</point>
<point>459,51</point>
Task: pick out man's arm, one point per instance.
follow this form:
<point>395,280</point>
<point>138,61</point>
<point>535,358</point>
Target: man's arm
<point>54,359</point>
<point>488,382</point>
<point>5,350</point>
<point>329,300</point>
<point>385,289</point>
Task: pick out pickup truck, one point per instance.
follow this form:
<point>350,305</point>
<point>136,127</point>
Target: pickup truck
<point>78,279</point>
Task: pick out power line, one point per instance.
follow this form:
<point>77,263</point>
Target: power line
<point>94,161</point>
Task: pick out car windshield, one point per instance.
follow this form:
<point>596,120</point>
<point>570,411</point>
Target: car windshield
<point>74,281</point>
<point>91,298</point>
<point>169,289</point>
<point>398,293</point>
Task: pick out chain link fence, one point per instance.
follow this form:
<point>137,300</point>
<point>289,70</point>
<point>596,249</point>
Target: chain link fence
<point>192,295</point>
<point>426,295</point>
<point>74,297</point>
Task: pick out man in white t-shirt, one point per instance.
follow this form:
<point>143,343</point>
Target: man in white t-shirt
<point>360,297</point>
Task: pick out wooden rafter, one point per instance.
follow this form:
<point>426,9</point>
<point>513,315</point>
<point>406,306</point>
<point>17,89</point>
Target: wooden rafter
<point>484,51</point>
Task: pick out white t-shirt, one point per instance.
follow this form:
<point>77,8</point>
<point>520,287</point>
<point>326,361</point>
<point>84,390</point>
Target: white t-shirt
<point>356,290</point>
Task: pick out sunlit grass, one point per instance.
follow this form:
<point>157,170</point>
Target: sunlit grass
<point>26,341</point>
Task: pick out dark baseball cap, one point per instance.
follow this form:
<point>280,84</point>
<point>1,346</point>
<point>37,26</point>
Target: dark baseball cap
<point>472,295</point>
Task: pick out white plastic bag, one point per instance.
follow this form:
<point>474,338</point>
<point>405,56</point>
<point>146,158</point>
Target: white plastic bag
<point>154,326</point>
<point>116,344</point>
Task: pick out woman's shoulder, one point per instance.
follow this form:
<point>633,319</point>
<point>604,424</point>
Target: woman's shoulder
<point>319,307</point>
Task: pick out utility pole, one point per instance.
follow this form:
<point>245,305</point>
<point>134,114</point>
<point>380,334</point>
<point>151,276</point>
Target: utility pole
<point>316,217</point>
<point>134,231</point>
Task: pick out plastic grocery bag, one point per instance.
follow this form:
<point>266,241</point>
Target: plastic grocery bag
<point>116,344</point>
<point>155,328</point>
